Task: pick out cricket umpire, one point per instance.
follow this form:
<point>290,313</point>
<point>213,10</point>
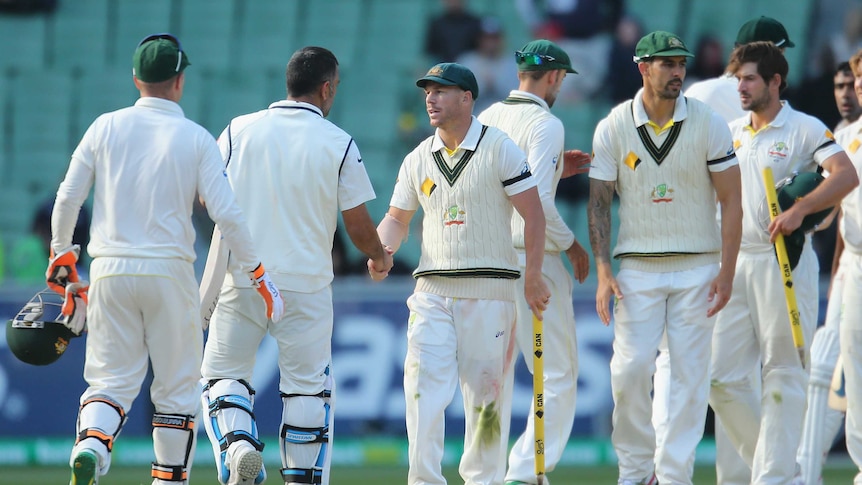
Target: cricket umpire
<point>147,163</point>
<point>669,158</point>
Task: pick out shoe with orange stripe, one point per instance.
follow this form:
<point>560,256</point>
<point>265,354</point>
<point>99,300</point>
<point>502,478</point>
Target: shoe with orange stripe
<point>84,468</point>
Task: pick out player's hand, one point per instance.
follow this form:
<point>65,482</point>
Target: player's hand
<point>379,269</point>
<point>719,292</point>
<point>580,261</point>
<point>785,223</point>
<point>74,309</point>
<point>61,269</point>
<point>537,293</point>
<point>575,162</point>
<point>607,287</point>
<point>269,292</point>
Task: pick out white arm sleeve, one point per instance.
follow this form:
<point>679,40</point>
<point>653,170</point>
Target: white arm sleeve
<point>544,155</point>
<point>215,190</point>
<point>72,193</point>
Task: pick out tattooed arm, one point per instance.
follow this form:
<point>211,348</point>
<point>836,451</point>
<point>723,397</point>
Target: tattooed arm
<point>599,216</point>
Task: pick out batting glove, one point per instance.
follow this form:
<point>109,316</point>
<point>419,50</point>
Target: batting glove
<point>75,307</point>
<point>61,269</point>
<point>268,291</point>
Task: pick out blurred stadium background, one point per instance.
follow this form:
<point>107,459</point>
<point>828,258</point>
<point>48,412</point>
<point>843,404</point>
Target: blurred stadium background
<point>60,69</point>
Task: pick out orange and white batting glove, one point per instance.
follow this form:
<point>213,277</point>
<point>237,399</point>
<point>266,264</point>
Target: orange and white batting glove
<point>271,296</point>
<point>75,306</point>
<point>61,269</point>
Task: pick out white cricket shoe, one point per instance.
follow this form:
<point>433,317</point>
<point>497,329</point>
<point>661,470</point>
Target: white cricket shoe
<point>245,466</point>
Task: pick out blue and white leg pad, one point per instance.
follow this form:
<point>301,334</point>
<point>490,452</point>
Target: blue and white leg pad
<point>304,447</point>
<point>229,404</point>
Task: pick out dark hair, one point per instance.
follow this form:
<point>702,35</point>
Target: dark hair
<point>769,59</point>
<point>844,67</point>
<point>308,68</point>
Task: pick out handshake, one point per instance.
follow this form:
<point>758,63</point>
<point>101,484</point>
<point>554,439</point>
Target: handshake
<point>379,268</point>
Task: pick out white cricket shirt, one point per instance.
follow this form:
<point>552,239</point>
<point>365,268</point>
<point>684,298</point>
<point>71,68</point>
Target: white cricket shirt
<point>527,119</point>
<point>147,163</point>
<point>663,178</point>
<point>466,228</point>
<point>792,142</point>
<point>850,138</point>
<point>293,171</point>
<point>720,94</point>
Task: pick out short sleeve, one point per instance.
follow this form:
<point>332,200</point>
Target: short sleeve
<point>720,155</point>
<point>404,194</point>
<point>354,185</point>
<point>514,169</point>
<point>604,164</point>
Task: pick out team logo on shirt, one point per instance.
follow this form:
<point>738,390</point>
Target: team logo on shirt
<point>554,161</point>
<point>428,187</point>
<point>632,161</point>
<point>662,193</point>
<point>778,152</point>
<point>453,216</point>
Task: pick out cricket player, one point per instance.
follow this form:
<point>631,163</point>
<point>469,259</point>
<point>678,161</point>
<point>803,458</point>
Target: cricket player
<point>754,330</point>
<point>823,423</point>
<point>293,172</point>
<point>467,177</point>
<point>846,284</point>
<point>721,95</point>
<point>525,116</point>
<point>669,159</point>
<point>147,163</point>
<point>843,83</point>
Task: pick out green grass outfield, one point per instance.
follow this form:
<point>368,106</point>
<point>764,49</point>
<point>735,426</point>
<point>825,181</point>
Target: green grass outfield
<point>361,475</point>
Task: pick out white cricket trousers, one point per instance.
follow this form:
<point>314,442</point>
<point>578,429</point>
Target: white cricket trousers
<point>452,341</point>
<point>850,329</point>
<point>753,331</point>
<point>653,304</point>
<point>144,311</point>
<point>303,335</point>
<point>560,361</point>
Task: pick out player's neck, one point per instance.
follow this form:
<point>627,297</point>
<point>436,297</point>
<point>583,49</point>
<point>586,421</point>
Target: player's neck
<point>659,110</point>
<point>454,132</point>
<point>763,117</point>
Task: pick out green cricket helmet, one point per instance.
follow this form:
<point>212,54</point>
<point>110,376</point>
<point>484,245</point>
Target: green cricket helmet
<point>796,187</point>
<point>36,335</point>
<point>789,190</point>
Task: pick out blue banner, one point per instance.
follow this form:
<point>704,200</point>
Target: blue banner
<point>369,344</point>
